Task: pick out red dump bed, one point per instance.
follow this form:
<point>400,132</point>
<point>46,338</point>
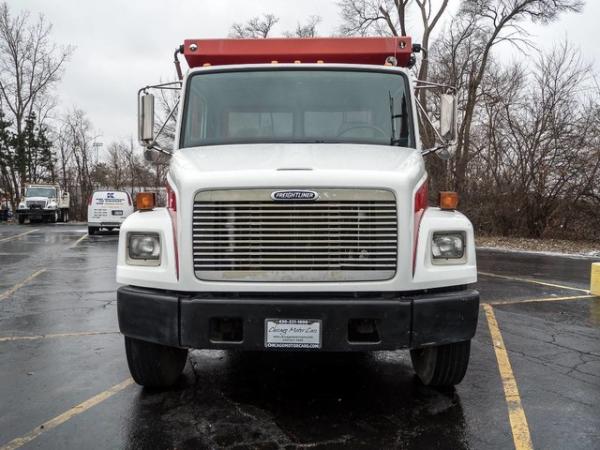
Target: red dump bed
<point>357,50</point>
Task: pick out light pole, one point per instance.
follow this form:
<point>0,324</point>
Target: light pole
<point>97,146</point>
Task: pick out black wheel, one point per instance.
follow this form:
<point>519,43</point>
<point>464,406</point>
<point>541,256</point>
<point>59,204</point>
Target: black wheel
<point>54,217</point>
<point>91,230</point>
<point>154,365</point>
<point>21,219</point>
<point>65,215</point>
<point>442,365</point>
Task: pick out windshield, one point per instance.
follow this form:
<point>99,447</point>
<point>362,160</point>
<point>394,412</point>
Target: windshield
<point>287,105</point>
<point>47,192</point>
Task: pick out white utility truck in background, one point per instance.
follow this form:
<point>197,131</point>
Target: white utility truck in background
<point>297,216</point>
<point>108,210</point>
<point>44,202</point>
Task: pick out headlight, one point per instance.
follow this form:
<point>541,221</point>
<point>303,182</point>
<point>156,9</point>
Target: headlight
<point>447,245</point>
<point>51,205</point>
<point>143,248</point>
<point>22,206</point>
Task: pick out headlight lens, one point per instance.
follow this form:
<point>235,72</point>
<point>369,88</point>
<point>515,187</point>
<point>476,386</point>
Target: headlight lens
<point>448,245</point>
<point>144,247</point>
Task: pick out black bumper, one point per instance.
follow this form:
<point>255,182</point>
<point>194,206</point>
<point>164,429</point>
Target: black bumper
<point>397,321</point>
<point>36,212</point>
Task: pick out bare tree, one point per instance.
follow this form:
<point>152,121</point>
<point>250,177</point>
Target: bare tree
<point>535,147</point>
<point>257,27</point>
<point>497,21</point>
<point>306,30</point>
<point>30,64</point>
<point>76,147</point>
<point>365,17</point>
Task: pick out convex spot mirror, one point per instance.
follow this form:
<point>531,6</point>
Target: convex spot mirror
<point>146,120</point>
<point>156,157</point>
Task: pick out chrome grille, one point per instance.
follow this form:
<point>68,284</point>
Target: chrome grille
<point>243,235</point>
<point>36,204</point>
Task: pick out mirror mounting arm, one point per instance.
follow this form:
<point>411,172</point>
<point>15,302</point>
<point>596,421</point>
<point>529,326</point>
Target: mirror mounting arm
<point>154,145</point>
<point>426,116</point>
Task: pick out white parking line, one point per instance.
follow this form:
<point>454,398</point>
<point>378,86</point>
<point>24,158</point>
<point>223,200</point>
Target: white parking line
<point>10,291</point>
<point>57,335</point>
<point>540,300</point>
<point>79,240</point>
<point>17,236</point>
<point>529,280</point>
<point>69,414</point>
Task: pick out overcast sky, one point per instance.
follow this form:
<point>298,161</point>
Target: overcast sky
<point>122,45</point>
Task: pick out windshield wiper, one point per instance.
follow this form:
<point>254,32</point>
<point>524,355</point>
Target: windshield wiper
<point>394,140</point>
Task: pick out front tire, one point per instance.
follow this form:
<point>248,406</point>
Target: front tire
<point>442,365</point>
<point>154,365</point>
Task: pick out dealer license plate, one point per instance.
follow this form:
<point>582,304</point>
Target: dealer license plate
<point>292,333</point>
<point>117,213</point>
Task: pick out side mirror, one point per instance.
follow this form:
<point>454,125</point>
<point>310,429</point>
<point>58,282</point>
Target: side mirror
<point>448,118</point>
<point>146,120</point>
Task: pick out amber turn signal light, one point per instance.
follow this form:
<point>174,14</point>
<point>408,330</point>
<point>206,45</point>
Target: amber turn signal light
<point>448,200</point>
<point>145,201</point>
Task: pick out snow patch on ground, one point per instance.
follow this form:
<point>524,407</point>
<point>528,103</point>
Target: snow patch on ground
<point>551,247</point>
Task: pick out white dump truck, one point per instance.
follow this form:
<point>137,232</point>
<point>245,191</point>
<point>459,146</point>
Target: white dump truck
<point>44,202</point>
<point>298,214</point>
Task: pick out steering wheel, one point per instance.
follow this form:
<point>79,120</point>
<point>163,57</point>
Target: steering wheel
<point>368,127</point>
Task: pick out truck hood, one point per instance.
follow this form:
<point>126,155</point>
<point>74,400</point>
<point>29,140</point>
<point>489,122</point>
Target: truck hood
<point>257,157</point>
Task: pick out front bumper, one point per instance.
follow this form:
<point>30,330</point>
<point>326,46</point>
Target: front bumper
<point>106,224</point>
<point>36,212</point>
<point>402,320</point>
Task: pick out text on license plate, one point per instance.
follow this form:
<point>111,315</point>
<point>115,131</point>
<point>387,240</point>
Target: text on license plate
<point>292,333</point>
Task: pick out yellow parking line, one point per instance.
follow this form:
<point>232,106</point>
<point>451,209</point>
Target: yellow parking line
<point>527,280</point>
<point>57,335</point>
<point>543,299</point>
<point>516,414</point>
<point>69,414</point>
<point>17,236</point>
<point>79,240</point>
<point>4,295</point>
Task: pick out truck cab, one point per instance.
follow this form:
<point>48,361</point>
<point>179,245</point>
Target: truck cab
<point>44,202</point>
<point>297,216</point>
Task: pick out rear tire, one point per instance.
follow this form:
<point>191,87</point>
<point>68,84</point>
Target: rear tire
<point>442,365</point>
<point>154,365</point>
<point>65,215</point>
<point>21,219</point>
<point>91,230</point>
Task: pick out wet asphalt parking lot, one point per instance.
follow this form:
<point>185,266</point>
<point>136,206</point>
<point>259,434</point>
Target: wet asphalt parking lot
<point>533,380</point>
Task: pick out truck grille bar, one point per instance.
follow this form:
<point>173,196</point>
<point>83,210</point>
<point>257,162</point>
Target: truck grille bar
<point>346,235</point>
